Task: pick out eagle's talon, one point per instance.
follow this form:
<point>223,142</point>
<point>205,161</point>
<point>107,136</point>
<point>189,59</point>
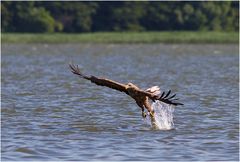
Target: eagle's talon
<point>151,113</point>
<point>144,115</point>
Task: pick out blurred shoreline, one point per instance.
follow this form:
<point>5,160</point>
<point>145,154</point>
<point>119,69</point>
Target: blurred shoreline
<point>124,37</point>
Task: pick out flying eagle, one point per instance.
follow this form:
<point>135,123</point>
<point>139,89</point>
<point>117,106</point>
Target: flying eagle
<point>140,96</point>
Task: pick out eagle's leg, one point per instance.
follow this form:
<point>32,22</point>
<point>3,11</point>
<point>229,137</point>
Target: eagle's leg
<point>144,115</point>
<point>150,110</point>
<point>149,107</point>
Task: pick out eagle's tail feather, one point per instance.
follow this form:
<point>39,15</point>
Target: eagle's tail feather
<point>154,90</point>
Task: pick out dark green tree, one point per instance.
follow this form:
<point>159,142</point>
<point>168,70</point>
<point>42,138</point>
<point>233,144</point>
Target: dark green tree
<point>159,16</point>
<point>25,17</point>
<point>76,16</point>
<point>127,16</point>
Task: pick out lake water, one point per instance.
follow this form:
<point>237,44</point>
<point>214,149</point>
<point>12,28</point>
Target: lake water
<point>47,113</point>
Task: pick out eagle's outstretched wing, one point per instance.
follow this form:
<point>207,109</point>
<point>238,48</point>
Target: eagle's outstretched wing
<point>168,99</point>
<point>99,81</point>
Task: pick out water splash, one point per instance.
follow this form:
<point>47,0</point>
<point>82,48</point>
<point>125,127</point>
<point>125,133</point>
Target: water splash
<point>163,116</point>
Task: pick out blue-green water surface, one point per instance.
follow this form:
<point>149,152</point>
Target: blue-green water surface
<point>47,113</point>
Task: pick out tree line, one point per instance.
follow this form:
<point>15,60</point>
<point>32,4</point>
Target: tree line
<point>90,16</point>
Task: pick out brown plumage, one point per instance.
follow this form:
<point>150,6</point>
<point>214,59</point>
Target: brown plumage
<point>140,96</point>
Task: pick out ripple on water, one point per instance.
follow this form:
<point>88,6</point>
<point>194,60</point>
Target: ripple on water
<point>49,114</point>
<point>26,150</point>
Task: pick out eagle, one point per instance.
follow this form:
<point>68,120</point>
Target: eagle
<point>140,96</point>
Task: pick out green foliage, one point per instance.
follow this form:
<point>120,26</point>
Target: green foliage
<point>127,16</point>
<point>88,16</point>
<point>39,19</point>
<point>25,17</point>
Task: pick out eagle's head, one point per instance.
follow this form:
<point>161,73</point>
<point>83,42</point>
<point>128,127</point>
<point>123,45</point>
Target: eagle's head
<point>131,86</point>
